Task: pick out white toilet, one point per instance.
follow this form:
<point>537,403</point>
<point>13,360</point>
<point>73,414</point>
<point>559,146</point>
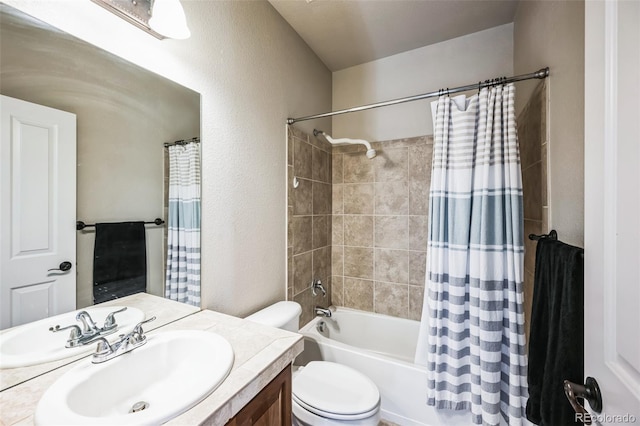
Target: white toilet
<point>324,393</point>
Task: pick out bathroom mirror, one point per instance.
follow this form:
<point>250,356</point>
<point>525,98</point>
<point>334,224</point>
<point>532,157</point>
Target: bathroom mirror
<point>125,115</point>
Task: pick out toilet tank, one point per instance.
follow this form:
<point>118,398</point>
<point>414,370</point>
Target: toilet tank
<point>284,315</point>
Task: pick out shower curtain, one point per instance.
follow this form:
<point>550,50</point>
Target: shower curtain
<point>183,229</point>
<point>472,331</point>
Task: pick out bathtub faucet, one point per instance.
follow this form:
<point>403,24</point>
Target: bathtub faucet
<point>323,312</point>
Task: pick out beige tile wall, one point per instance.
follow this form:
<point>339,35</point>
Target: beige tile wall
<point>360,225</point>
<point>379,226</point>
<point>309,220</point>
<point>533,141</point>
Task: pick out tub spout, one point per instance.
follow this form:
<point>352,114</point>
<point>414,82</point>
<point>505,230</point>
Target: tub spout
<point>323,312</point>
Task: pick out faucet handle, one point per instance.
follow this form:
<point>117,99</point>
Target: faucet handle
<point>138,328</point>
<point>110,321</point>
<point>104,351</point>
<point>317,285</point>
<point>137,336</point>
<point>103,347</point>
<point>88,325</point>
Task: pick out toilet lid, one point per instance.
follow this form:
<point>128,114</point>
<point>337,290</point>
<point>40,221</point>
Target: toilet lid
<point>335,391</point>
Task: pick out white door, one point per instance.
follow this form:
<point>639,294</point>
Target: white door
<point>37,212</point>
<point>612,206</point>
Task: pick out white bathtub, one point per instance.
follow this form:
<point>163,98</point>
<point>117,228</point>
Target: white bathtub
<point>382,348</point>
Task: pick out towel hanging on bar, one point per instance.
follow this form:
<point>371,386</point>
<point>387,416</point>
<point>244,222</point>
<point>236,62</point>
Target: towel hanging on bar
<point>120,260</point>
<point>556,338</point>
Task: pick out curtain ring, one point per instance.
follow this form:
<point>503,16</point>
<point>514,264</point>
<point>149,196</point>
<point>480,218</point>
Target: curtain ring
<point>447,91</point>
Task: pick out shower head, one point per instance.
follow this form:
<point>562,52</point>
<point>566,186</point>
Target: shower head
<point>371,153</point>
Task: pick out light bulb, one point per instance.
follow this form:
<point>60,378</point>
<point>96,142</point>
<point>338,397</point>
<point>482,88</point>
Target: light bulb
<point>168,19</point>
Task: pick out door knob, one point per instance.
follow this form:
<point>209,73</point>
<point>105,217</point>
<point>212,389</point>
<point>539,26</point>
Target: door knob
<point>64,267</point>
<point>590,391</point>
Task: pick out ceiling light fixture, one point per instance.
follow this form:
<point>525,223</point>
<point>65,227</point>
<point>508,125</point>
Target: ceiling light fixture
<point>160,18</point>
<point>167,18</point>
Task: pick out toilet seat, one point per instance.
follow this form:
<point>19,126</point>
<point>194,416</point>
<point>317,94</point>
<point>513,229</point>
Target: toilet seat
<point>335,391</point>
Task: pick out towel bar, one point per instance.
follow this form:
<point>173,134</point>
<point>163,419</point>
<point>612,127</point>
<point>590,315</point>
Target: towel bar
<point>81,225</point>
<point>552,235</point>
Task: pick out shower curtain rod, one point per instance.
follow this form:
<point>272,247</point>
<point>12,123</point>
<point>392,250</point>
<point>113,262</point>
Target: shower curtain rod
<point>540,74</point>
<point>182,142</point>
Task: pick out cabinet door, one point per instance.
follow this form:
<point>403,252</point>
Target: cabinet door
<point>271,407</point>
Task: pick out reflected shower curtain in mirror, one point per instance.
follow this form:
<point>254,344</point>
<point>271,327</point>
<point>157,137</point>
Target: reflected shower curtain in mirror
<point>472,332</point>
<point>183,225</point>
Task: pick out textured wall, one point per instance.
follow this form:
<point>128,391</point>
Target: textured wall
<point>379,235</point>
<point>551,33</point>
<point>252,71</point>
<point>457,62</point>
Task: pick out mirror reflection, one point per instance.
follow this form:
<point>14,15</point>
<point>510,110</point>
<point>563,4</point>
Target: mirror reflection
<point>124,117</point>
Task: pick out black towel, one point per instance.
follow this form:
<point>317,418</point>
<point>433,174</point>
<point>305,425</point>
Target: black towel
<point>556,339</point>
<point>120,260</point>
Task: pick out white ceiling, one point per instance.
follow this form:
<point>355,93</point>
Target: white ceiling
<point>344,33</point>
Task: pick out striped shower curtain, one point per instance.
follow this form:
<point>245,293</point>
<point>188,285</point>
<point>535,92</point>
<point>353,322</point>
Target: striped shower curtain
<point>472,331</point>
<point>183,230</point>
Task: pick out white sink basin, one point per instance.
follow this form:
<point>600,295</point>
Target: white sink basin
<point>33,343</point>
<point>171,373</point>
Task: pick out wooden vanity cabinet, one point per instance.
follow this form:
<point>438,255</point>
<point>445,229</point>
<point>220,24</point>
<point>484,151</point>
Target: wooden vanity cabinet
<point>271,407</point>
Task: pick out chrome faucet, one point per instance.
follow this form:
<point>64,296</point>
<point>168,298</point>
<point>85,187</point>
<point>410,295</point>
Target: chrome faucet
<point>79,337</point>
<point>88,325</point>
<point>323,312</point>
<point>105,351</point>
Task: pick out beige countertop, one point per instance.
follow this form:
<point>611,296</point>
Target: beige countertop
<point>260,353</point>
